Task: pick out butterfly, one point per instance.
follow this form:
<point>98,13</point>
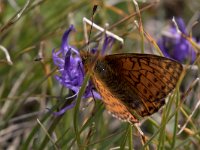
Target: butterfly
<point>132,85</point>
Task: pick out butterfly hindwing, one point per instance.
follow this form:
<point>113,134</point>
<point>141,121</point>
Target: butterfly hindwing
<point>112,103</point>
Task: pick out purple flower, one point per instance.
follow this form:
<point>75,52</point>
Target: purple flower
<point>108,42</point>
<point>173,45</point>
<point>71,70</point>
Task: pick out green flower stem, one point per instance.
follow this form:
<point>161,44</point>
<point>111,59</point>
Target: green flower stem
<point>130,137</point>
<point>123,143</point>
<point>175,122</point>
<point>76,109</point>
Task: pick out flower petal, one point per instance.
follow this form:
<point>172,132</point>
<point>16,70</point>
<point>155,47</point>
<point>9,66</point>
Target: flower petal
<point>108,42</point>
<point>173,45</point>
<point>63,110</point>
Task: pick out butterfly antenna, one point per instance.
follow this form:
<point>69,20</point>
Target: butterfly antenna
<point>93,12</point>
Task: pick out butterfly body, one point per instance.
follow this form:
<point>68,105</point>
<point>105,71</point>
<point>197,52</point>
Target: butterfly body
<point>132,85</point>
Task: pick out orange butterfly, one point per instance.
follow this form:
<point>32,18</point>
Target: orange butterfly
<point>132,85</point>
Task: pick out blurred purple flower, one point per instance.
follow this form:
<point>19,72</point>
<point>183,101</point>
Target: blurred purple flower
<point>173,45</point>
<point>108,42</point>
<point>71,70</point>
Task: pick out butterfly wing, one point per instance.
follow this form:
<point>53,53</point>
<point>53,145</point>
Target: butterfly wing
<point>146,80</point>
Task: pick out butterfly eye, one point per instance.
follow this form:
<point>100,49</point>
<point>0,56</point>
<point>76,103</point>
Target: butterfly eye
<point>84,59</point>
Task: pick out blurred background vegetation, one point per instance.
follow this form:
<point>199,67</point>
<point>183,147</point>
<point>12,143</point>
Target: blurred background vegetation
<point>31,29</point>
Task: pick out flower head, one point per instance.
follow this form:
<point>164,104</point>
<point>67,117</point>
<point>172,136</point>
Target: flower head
<point>173,45</point>
<point>68,61</point>
<point>70,67</point>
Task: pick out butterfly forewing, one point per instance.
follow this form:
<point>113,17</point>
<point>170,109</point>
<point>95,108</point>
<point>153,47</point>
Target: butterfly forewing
<point>150,77</point>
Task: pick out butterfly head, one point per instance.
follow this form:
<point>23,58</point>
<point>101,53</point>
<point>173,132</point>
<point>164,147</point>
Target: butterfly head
<point>88,59</point>
<point>84,56</point>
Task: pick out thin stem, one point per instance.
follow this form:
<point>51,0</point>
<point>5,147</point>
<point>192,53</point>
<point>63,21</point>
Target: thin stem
<point>76,110</point>
<point>130,133</point>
